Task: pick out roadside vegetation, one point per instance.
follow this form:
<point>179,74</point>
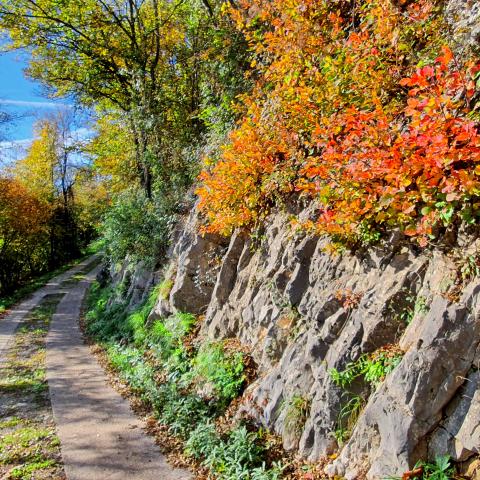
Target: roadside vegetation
<point>189,388</point>
<point>29,446</point>
<point>192,391</point>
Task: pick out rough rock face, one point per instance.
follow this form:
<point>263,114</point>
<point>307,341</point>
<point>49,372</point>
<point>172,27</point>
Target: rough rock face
<point>198,260</point>
<point>419,393</point>
<point>463,17</point>
<point>133,281</point>
<point>303,310</point>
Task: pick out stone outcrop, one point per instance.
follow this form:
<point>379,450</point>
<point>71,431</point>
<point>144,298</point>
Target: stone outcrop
<point>304,310</point>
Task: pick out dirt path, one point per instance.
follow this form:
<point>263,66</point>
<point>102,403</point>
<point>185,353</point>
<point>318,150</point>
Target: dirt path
<point>100,436</point>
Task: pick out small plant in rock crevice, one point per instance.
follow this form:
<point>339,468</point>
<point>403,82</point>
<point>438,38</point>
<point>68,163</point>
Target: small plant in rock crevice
<point>440,469</point>
<point>374,367</point>
<point>296,409</point>
<point>347,418</point>
<point>470,268</point>
<point>417,305</point>
<point>349,299</point>
<point>280,299</point>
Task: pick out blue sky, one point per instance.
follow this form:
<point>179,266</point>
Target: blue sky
<point>24,98</point>
<point>21,95</point>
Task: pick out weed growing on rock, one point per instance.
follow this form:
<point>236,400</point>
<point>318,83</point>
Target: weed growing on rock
<point>347,418</point>
<point>471,268</point>
<point>417,306</point>
<point>296,414</point>
<point>374,367</point>
<point>441,469</point>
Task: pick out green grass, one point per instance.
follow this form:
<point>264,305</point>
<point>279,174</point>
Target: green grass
<point>11,422</point>
<point>29,447</point>
<point>23,437</point>
<point>27,471</point>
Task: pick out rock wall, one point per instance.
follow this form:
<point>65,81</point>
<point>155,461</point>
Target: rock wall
<point>304,310</point>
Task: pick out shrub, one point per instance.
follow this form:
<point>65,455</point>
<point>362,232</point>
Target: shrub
<point>182,411</point>
<point>238,456</point>
<point>137,227</point>
<point>134,370</point>
<point>365,121</point>
<point>202,441</point>
<point>234,458</point>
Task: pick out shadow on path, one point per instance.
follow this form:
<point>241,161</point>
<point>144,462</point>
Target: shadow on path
<point>101,437</point>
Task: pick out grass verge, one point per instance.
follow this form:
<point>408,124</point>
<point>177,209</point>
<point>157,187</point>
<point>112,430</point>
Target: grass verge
<point>29,446</point>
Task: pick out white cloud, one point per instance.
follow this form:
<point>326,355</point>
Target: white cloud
<point>23,103</point>
<point>16,143</point>
<point>13,150</point>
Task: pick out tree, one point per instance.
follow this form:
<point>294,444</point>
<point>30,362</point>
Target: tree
<point>23,233</point>
<point>145,58</point>
<point>56,172</point>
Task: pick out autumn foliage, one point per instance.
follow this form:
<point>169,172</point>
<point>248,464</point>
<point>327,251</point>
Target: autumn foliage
<point>367,111</point>
<point>50,204</point>
<point>23,231</point>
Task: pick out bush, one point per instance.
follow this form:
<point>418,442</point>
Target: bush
<point>108,323</point>
<point>137,227</point>
<point>202,441</point>
<point>182,412</point>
